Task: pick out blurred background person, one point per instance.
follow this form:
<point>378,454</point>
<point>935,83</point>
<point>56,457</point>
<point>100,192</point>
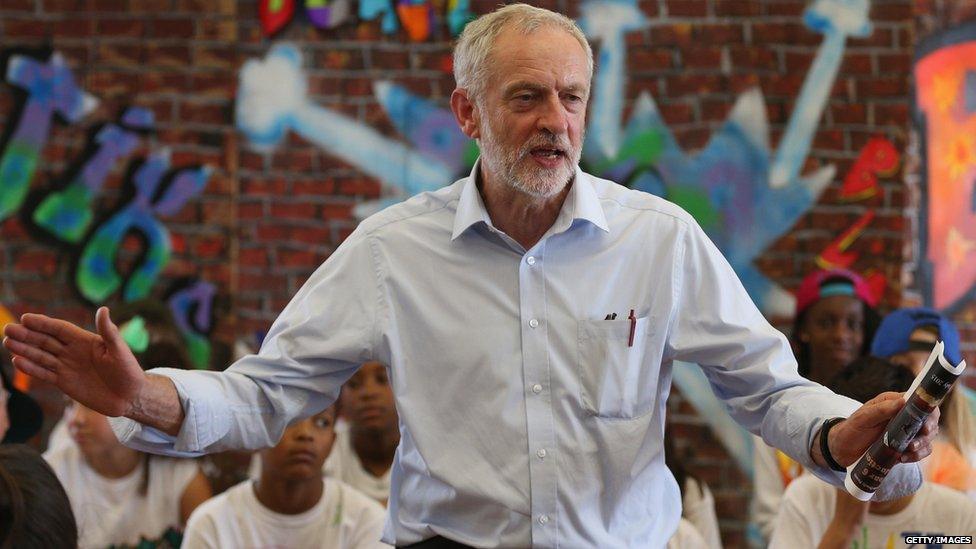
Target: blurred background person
<point>834,323</point>
<point>34,510</point>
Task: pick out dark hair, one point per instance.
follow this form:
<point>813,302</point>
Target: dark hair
<point>34,509</point>
<point>871,321</point>
<point>869,376</point>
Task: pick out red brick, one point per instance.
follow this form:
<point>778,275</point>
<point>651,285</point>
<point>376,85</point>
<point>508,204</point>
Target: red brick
<point>649,59</point>
<point>15,29</point>
<point>753,58</point>
<point>265,186</point>
<point>848,113</point>
<point>337,211</point>
<point>687,8</point>
<point>293,210</point>
<point>718,34</point>
<point>316,186</point>
<point>127,55</point>
<point>883,86</point>
<point>73,28</point>
<point>204,113</point>
<point>293,258</point>
<point>210,246</point>
<point>109,6</point>
<point>222,84</point>
<point>133,28</point>
<point>691,84</point>
<point>177,56</point>
<point>360,186</point>
<point>173,28</point>
<point>216,57</point>
<point>892,11</point>
<point>715,111</point>
<point>738,8</point>
<point>678,34</point>
<point>792,8</point>
<point>881,37</point>
<point>254,257</point>
<point>896,63</point>
<point>311,235</point>
<point>390,60</point>
<point>42,262</point>
<point>702,58</point>
<point>856,63</point>
<point>891,114</point>
<point>222,30</point>
<point>832,140</point>
<point>18,5</point>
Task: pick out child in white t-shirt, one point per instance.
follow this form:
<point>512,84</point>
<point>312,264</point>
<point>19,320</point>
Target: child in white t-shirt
<point>121,496</point>
<point>367,439</point>
<point>814,514</point>
<point>291,504</point>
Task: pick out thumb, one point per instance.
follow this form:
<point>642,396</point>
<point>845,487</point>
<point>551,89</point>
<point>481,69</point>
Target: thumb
<point>109,331</point>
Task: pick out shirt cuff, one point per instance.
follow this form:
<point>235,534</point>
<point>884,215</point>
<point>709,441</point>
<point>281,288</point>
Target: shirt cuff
<point>205,419</point>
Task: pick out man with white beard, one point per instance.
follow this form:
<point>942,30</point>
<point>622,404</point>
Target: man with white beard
<point>530,315</point>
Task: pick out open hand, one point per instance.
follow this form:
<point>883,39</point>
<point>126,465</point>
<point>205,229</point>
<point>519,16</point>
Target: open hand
<point>97,370</point>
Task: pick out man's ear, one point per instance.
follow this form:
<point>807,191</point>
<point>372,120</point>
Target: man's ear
<point>466,113</point>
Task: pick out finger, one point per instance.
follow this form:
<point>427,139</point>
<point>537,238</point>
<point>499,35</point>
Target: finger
<point>59,329</point>
<point>917,451</point>
<point>31,337</point>
<point>878,411</point>
<point>33,370</point>
<point>109,331</point>
<point>34,354</point>
<point>931,426</point>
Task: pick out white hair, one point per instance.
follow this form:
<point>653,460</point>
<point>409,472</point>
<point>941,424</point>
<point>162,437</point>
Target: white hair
<point>477,40</point>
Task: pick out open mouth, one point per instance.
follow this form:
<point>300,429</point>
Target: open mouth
<point>542,152</point>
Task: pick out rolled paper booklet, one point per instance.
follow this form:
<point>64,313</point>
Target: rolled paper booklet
<point>926,393</point>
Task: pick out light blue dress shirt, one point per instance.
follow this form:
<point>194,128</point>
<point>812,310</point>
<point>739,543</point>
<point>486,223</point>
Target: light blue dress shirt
<point>526,418</point>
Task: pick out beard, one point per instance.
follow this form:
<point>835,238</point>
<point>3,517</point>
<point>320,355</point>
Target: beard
<point>520,172</point>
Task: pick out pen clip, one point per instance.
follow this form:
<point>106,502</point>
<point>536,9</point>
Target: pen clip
<point>633,328</point>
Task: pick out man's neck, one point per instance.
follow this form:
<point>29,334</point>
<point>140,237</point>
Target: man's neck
<point>288,497</point>
<point>523,217</point>
<point>374,449</point>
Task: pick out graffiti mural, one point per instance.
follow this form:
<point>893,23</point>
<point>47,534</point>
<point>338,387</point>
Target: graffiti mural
<point>417,17</point>
<point>50,90</point>
<point>65,212</point>
<point>945,95</point>
<point>725,185</point>
<point>192,303</point>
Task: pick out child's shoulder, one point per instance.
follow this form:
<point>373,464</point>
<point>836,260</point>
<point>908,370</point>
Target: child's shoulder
<point>353,501</point>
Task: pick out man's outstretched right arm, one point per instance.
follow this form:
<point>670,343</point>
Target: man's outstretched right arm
<point>97,370</point>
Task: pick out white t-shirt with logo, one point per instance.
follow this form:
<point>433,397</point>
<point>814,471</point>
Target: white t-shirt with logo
<point>344,464</point>
<point>342,519</point>
<point>111,511</point>
<point>808,507</point>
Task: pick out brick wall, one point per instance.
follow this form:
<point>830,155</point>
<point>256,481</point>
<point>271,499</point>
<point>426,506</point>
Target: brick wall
<point>266,221</point>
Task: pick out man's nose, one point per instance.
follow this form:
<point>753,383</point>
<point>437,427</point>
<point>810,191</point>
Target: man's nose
<point>553,116</point>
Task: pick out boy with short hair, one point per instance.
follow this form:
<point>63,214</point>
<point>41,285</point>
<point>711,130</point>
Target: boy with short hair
<point>815,514</point>
<point>291,504</point>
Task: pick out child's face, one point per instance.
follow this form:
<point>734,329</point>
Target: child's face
<point>834,330</point>
<point>915,360</point>
<point>303,448</point>
<point>89,429</point>
<point>367,399</point>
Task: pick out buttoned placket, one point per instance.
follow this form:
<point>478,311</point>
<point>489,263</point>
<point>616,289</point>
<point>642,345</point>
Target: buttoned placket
<point>538,398</point>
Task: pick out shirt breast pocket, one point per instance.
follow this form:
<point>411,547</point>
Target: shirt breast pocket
<point>616,380</point>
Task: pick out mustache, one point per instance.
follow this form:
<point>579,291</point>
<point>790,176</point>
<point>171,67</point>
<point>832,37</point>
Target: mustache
<point>547,140</point>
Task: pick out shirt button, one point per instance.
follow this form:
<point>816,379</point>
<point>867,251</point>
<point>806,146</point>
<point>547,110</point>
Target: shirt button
<point>541,453</point>
<point>534,323</point>
<point>530,260</point>
<point>537,388</point>
<point>543,519</point>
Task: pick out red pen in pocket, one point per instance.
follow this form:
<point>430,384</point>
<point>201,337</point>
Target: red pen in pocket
<point>633,328</point>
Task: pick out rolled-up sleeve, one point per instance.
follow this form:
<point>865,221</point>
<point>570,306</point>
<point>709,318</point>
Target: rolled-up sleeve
<point>328,329</point>
<point>750,364</point>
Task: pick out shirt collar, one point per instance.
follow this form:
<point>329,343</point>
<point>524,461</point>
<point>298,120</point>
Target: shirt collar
<point>582,199</point>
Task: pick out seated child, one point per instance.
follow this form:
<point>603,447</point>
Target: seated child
<point>815,514</point>
<point>906,337</point>
<point>291,504</point>
<point>121,496</point>
<point>368,438</point>
<point>34,510</point>
<point>834,322</point>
